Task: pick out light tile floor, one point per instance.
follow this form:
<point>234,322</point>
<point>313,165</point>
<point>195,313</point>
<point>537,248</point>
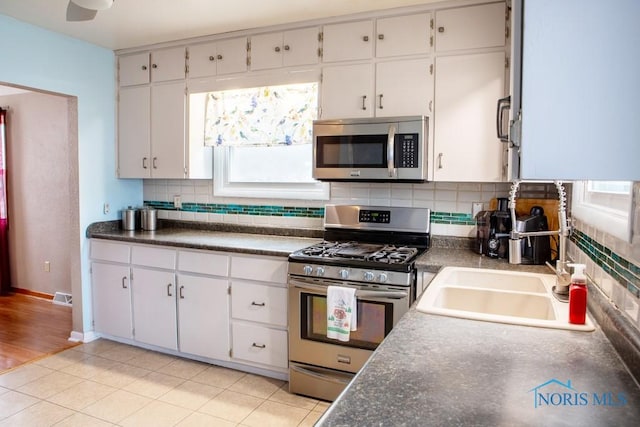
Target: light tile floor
<point>104,383</point>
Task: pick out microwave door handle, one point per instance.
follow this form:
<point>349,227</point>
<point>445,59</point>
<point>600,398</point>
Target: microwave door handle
<point>391,150</point>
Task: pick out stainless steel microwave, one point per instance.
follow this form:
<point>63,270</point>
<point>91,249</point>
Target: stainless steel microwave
<point>374,149</point>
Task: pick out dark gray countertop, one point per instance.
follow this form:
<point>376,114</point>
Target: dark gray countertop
<point>436,370</point>
<point>263,241</point>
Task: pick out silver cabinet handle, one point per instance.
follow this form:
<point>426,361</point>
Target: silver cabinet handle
<point>212,58</point>
<point>380,36</point>
<point>124,284</point>
<point>430,106</point>
<point>219,56</point>
<point>277,49</point>
<point>144,163</point>
<point>380,102</point>
<point>259,345</point>
<point>364,98</point>
<point>258,304</point>
<point>440,160</point>
<point>180,293</point>
<point>286,47</point>
<point>169,294</point>
<point>155,163</point>
<point>154,65</point>
<point>144,68</point>
<point>441,29</point>
<point>365,38</point>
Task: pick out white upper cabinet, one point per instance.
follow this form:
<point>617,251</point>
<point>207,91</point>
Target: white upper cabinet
<point>156,66</point>
<point>404,88</point>
<point>285,49</point>
<point>403,35</point>
<point>467,88</point>
<point>220,57</point>
<point>347,91</point>
<point>470,27</point>
<point>348,41</point>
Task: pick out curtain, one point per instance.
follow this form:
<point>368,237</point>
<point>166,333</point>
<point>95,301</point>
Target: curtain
<point>5,279</point>
<point>261,116</point>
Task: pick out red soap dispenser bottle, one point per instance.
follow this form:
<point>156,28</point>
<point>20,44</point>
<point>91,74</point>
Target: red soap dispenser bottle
<point>578,295</point>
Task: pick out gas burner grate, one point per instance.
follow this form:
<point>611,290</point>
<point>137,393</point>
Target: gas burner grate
<point>390,254</point>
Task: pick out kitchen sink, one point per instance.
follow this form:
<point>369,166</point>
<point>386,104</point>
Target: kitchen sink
<point>517,298</point>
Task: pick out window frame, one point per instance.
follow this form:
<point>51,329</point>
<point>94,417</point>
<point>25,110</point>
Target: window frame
<point>596,211</point>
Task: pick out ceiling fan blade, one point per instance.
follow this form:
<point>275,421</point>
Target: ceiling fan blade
<point>77,13</point>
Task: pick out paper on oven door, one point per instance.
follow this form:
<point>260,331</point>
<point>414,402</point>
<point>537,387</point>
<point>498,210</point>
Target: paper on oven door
<point>342,315</point>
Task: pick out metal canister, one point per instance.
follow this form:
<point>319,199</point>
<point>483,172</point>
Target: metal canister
<point>149,217</point>
<point>129,219</point>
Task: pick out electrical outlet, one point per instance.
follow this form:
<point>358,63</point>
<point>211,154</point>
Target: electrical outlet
<point>177,202</point>
<point>106,208</point>
<point>47,266</point>
<point>476,207</point>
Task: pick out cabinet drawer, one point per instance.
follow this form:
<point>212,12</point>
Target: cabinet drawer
<point>260,345</point>
<point>203,263</point>
<point>264,269</point>
<point>153,257</point>
<point>259,303</point>
<point>109,251</point>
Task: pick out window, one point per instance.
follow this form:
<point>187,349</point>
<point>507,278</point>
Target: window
<point>262,141</point>
<point>605,205</point>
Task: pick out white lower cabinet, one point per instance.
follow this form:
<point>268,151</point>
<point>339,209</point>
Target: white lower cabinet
<point>154,307</point>
<point>111,299</point>
<point>203,316</point>
<point>260,344</point>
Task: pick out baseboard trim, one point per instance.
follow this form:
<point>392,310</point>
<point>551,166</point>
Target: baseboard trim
<point>83,337</point>
<point>32,293</point>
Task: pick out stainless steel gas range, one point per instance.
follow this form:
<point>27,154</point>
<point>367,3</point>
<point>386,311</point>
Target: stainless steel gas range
<point>369,248</point>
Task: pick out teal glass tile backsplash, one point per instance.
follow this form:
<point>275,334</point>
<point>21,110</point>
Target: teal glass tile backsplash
<point>452,218</point>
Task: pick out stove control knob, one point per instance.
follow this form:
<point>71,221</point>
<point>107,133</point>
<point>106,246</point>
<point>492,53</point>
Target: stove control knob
<point>307,269</point>
<point>320,271</point>
<point>343,273</point>
<point>368,276</point>
<point>383,277</point>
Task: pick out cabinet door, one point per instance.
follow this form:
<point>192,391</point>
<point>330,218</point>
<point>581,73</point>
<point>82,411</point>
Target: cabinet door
<point>347,91</point>
<point>404,88</point>
<point>346,42</point>
<point>168,64</point>
<point>403,35</point>
<point>168,130</point>
<point>202,60</point>
<point>466,91</point>
<point>231,56</point>
<point>203,313</point>
<point>300,47</point>
<point>133,69</point>
<point>134,119</point>
<point>470,27</point>
<point>266,51</point>
<point>111,299</point>
<point>154,307</point>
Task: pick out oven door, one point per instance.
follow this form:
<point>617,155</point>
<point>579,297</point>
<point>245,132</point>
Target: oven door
<point>379,309</point>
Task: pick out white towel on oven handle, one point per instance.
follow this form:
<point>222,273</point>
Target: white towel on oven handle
<point>342,317</point>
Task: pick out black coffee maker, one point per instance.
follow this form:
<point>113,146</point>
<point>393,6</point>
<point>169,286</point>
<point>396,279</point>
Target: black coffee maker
<point>534,249</point>
<point>492,231</point>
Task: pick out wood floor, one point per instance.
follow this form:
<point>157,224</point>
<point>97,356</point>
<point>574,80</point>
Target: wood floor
<point>31,328</point>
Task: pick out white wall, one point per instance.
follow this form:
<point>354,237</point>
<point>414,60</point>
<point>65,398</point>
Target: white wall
<point>36,58</point>
<point>40,172</point>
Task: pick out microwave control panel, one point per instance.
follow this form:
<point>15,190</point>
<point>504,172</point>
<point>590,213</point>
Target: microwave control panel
<point>406,150</point>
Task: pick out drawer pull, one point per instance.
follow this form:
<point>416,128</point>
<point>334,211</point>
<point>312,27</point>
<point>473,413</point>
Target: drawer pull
<point>124,285</point>
<point>259,345</point>
<point>169,294</point>
<point>258,304</point>
<point>181,294</point>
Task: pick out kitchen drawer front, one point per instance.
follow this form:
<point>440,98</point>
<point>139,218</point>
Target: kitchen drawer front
<point>110,251</point>
<point>153,257</point>
<point>208,263</point>
<point>264,269</point>
<point>259,344</point>
<point>259,303</point>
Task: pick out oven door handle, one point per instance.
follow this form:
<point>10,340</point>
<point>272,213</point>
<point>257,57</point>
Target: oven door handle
<point>359,293</point>
<point>318,375</point>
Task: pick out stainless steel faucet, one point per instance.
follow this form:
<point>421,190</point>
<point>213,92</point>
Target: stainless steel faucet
<point>563,277</point>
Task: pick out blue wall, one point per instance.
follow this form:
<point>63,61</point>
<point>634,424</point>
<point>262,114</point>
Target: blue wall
<point>40,59</point>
